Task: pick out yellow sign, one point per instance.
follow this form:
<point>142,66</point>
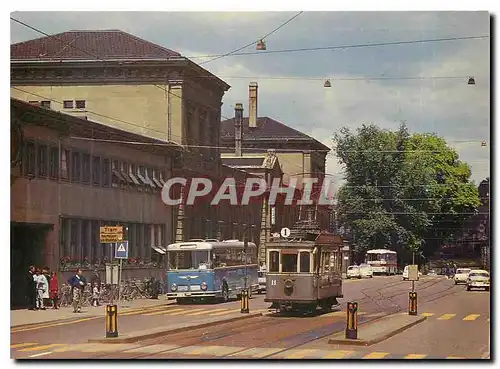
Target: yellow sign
<point>111,234</point>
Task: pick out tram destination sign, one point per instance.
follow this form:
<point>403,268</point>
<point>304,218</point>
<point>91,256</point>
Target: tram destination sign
<point>111,234</point>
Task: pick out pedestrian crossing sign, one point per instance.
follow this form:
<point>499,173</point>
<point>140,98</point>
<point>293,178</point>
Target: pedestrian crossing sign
<point>121,250</point>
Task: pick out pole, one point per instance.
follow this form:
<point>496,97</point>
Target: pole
<point>413,282</point>
<point>119,281</point>
<point>111,263</point>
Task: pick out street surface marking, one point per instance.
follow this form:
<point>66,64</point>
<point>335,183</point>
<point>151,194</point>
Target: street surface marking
<point>338,354</point>
<point>375,315</point>
<point>454,357</point>
<point>152,349</point>
<point>73,347</point>
<point>427,314</point>
<point>163,312</point>
<point>203,312</point>
<point>143,311</point>
<point>39,348</point>
<point>42,354</point>
<point>415,356</point>
<point>184,311</point>
<point>224,312</point>
<point>49,325</point>
<point>222,350</point>
<point>471,317</point>
<point>16,345</point>
<point>376,355</point>
<point>265,352</point>
<point>446,316</point>
<point>299,354</point>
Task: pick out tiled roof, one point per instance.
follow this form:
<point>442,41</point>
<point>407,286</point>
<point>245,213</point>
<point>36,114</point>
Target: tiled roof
<point>267,129</point>
<point>88,45</point>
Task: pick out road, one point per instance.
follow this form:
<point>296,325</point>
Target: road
<point>457,326</point>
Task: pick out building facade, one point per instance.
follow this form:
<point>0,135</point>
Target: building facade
<point>68,180</point>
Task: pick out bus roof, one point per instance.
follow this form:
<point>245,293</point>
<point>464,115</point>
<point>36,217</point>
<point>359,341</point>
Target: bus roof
<point>381,251</point>
<point>208,245</point>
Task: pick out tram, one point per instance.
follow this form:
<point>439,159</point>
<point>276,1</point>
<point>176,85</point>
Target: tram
<point>303,274</point>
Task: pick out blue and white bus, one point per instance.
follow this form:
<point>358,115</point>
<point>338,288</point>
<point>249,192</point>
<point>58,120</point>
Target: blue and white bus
<point>210,269</point>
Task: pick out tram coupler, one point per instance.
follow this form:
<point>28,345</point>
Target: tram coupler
<point>351,331</point>
<point>412,303</point>
<point>245,302</point>
<point>111,321</point>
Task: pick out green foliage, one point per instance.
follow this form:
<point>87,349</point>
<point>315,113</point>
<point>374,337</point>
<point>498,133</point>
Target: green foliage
<point>403,192</point>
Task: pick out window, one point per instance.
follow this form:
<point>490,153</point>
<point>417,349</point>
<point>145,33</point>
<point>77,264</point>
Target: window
<point>74,238</point>
<point>68,104</point>
<point>149,177</point>
<point>274,261</point>
<point>147,241</point>
<point>156,178</point>
<point>105,172</point>
<point>80,104</point>
<point>138,244</point>
<point>37,103</point>
<point>65,164</point>
<point>96,170</point>
<point>53,163</point>
<point>132,171</point>
<point>305,258</point>
<point>326,262</point>
<point>30,158</point>
<point>86,168</point>
<point>141,173</point>
<point>116,176</point>
<point>124,172</point>
<point>42,160</point>
<point>45,104</point>
<point>76,167</point>
<point>289,263</point>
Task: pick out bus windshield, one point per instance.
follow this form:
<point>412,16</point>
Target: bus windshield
<point>189,260</point>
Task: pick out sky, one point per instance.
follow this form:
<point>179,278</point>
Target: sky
<point>296,97</point>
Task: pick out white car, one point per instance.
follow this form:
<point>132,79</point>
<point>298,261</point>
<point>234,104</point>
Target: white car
<point>461,275</point>
<point>365,271</point>
<point>262,280</point>
<point>478,279</point>
<point>405,274</point>
<point>353,272</point>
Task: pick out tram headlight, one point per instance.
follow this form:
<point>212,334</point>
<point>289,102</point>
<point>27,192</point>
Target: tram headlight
<point>173,287</point>
<point>204,286</point>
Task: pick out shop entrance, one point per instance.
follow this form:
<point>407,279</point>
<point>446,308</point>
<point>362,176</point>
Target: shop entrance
<point>26,248</point>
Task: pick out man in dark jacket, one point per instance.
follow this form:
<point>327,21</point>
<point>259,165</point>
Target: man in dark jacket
<point>31,288</point>
<point>77,283</point>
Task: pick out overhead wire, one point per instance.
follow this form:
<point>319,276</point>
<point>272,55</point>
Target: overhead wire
<point>349,46</point>
<point>253,42</point>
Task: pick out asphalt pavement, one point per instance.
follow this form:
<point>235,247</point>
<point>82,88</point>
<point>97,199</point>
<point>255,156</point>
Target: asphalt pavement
<point>457,326</point>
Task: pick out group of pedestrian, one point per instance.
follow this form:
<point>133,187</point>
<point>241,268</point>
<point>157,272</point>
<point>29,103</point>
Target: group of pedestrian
<point>43,288</point>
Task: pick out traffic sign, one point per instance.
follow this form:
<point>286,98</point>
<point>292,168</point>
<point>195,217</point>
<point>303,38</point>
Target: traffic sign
<point>121,250</point>
<point>111,234</point>
<point>285,232</point>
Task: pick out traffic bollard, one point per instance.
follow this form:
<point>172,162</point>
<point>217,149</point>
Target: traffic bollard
<point>412,303</point>
<point>245,308</point>
<point>351,331</point>
<point>111,321</point>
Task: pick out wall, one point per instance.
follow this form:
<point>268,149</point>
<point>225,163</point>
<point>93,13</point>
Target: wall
<point>145,106</point>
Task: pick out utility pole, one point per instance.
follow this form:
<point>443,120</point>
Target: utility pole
<point>245,249</point>
<point>413,263</point>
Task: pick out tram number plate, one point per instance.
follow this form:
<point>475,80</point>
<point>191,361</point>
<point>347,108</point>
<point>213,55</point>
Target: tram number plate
<point>273,282</point>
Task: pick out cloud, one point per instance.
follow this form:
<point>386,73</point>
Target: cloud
<point>449,107</point>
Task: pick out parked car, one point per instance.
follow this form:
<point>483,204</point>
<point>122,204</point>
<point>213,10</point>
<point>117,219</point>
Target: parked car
<point>478,278</point>
<point>365,271</point>
<point>262,280</point>
<point>353,272</point>
<point>461,275</point>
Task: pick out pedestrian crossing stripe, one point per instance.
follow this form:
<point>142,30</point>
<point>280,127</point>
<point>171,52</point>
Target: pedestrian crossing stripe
<point>446,316</point>
<point>219,351</point>
<point>471,317</point>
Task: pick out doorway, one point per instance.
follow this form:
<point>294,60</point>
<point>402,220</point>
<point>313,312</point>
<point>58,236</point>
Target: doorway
<point>26,248</point>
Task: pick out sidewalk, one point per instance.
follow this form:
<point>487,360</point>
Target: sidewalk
<point>26,317</point>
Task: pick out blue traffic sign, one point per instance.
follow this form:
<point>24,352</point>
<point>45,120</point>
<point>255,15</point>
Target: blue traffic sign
<point>121,250</point>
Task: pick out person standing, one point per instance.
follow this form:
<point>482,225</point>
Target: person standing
<point>96,282</point>
<point>46,295</point>
<point>31,288</point>
<point>77,283</point>
<point>54,290</point>
<point>42,289</point>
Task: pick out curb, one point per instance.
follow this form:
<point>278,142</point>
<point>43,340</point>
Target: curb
<point>146,336</point>
<point>361,342</point>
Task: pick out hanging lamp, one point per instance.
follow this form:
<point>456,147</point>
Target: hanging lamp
<point>261,45</point>
<point>472,81</point>
<point>327,83</point>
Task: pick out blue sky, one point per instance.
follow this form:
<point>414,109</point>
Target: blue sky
<point>448,107</point>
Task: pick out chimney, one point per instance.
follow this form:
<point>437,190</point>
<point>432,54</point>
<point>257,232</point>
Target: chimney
<point>238,125</point>
<point>252,105</point>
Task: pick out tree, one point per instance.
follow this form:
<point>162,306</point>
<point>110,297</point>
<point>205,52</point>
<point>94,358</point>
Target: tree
<point>403,192</point>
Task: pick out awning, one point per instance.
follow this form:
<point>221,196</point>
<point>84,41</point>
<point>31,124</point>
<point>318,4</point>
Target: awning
<point>159,250</point>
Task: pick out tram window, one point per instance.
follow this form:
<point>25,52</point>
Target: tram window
<point>274,261</point>
<point>326,262</point>
<point>305,258</point>
<point>289,263</point>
